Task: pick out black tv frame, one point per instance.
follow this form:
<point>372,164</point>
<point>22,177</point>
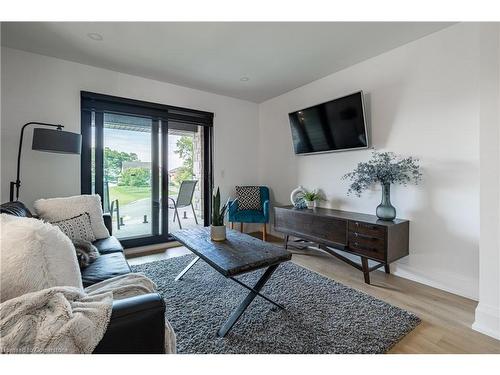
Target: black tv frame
<point>344,149</point>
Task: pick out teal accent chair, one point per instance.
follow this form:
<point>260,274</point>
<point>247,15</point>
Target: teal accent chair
<point>251,216</point>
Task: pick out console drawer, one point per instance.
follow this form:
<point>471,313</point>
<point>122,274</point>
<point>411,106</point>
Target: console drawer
<point>330,229</point>
<point>371,230</point>
<point>322,229</point>
<point>363,240</point>
<point>372,248</point>
<point>292,221</point>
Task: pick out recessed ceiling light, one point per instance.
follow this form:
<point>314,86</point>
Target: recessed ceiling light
<point>244,79</point>
<point>95,36</point>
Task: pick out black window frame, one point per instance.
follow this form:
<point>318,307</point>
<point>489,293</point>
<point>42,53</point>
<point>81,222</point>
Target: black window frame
<point>160,114</point>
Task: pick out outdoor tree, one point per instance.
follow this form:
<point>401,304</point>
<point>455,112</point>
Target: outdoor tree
<point>113,162</point>
<point>184,148</point>
<point>137,177</point>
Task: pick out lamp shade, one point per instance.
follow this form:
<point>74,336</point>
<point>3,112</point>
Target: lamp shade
<point>57,141</point>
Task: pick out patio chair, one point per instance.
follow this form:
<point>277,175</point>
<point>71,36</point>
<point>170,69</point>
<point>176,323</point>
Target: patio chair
<point>184,199</point>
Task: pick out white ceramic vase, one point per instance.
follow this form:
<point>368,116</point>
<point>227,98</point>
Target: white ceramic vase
<point>218,232</point>
<point>311,204</point>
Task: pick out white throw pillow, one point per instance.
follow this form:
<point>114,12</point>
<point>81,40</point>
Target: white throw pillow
<point>56,209</point>
<point>33,256</point>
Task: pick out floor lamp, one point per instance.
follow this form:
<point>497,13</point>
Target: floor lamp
<point>47,140</point>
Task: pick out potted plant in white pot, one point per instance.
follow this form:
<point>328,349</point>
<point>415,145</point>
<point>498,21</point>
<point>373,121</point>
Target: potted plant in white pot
<point>385,168</point>
<point>311,197</point>
<point>218,229</point>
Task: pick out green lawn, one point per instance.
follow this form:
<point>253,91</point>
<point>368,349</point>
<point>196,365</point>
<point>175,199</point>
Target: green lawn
<point>129,194</point>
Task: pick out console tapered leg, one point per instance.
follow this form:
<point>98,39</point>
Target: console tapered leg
<point>366,270</point>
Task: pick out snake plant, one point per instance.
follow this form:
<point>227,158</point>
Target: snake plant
<point>218,212</point>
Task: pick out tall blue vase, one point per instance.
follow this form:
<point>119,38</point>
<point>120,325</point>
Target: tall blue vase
<point>385,210</point>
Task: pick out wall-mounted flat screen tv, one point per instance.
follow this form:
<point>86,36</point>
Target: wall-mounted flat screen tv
<point>336,125</point>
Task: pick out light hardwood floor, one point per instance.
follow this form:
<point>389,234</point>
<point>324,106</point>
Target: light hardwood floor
<point>446,318</point>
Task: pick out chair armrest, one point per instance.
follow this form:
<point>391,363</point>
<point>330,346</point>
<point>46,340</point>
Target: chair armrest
<point>137,325</point>
<point>108,223</point>
<point>233,208</point>
<point>266,206</point>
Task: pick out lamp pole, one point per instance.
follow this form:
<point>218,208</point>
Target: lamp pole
<point>15,185</point>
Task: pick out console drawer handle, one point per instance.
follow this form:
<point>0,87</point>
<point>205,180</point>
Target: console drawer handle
<point>369,238</point>
<point>368,226</point>
<point>368,248</point>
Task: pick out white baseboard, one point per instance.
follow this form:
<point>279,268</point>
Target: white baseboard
<point>405,273</point>
<point>455,283</point>
<point>400,271</point>
<point>487,320</point>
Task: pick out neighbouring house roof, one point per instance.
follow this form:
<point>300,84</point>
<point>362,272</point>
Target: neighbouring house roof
<point>136,164</point>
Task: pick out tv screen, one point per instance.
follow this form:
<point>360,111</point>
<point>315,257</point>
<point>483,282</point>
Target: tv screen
<point>332,126</point>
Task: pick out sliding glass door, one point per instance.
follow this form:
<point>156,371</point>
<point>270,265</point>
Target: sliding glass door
<point>151,166</point>
<point>128,175</point>
<point>185,175</point>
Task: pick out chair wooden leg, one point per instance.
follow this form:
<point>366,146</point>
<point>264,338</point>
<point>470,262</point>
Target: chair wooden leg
<point>264,232</point>
<point>232,224</point>
<point>241,227</point>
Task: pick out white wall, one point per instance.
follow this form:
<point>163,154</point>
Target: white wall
<point>436,98</point>
<point>47,89</point>
<point>488,310</point>
<point>422,100</point>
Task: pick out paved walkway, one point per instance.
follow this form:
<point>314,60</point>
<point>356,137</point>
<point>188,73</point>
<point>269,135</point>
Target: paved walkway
<point>133,218</point>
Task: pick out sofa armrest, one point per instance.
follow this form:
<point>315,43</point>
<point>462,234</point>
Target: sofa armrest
<point>137,325</point>
<point>108,223</point>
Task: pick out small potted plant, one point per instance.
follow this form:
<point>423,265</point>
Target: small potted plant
<point>385,168</point>
<point>311,197</point>
<point>218,229</point>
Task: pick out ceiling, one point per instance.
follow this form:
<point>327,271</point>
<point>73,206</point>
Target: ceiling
<point>276,57</point>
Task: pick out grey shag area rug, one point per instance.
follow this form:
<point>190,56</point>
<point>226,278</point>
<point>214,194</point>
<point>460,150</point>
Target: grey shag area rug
<point>321,316</point>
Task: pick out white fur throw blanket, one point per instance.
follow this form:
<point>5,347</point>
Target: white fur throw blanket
<point>129,285</point>
<point>55,320</point>
<point>66,319</point>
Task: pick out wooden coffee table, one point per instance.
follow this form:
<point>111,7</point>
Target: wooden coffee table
<point>239,254</point>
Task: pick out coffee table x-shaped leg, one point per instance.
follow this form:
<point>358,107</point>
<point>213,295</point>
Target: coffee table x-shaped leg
<point>253,292</point>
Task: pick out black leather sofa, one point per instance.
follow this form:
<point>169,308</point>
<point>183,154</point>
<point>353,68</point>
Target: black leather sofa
<point>138,323</point>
